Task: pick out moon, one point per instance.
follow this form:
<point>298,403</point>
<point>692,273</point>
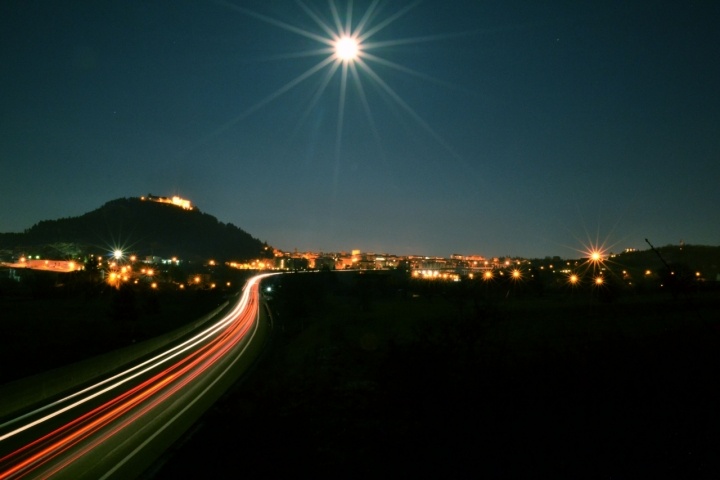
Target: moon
<point>347,49</point>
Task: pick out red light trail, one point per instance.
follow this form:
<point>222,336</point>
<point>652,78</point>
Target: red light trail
<point>99,430</point>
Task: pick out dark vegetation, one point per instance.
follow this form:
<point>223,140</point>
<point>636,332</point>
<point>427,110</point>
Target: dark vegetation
<point>376,374</point>
<point>49,319</point>
<point>139,226</point>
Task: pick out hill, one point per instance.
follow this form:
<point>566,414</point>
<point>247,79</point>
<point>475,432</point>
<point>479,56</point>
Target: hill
<point>142,227</point>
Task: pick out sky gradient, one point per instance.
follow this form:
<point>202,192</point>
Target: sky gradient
<point>491,128</point>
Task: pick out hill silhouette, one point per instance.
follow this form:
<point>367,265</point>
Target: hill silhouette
<point>143,227</point>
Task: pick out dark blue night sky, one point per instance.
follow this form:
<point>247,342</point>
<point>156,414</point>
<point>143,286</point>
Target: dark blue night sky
<point>483,127</point>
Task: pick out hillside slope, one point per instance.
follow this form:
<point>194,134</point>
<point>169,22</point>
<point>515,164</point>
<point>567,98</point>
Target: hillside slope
<point>143,227</point>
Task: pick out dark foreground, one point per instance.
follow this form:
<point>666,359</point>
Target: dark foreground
<point>364,378</point>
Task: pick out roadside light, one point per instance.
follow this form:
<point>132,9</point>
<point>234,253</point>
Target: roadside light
<point>118,254</point>
<point>153,285</point>
<point>573,279</point>
<point>487,275</point>
<point>599,280</point>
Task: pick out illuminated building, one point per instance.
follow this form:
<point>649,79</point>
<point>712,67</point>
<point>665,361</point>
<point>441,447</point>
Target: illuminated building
<point>177,201</point>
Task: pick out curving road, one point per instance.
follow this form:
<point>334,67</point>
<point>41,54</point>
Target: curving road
<point>118,426</point>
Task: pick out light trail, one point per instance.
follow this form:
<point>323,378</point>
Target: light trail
<point>130,401</point>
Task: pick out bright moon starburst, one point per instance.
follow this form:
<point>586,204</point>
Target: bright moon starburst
<point>347,48</point>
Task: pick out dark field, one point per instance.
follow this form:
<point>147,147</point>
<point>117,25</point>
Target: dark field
<point>39,332</point>
<point>377,375</point>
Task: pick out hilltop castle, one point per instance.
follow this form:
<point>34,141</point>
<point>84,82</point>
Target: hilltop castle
<point>177,201</point>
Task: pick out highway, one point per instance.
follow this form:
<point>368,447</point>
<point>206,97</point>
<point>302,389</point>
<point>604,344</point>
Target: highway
<point>117,426</point>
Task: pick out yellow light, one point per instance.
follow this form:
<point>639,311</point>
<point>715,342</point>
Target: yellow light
<point>346,49</point>
<point>516,273</point>
<point>596,256</point>
<point>573,279</point>
<point>599,280</point>
<point>153,285</point>
<point>487,275</point>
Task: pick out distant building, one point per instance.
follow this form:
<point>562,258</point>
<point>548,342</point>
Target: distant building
<point>177,201</point>
<point>62,266</point>
<point>324,263</point>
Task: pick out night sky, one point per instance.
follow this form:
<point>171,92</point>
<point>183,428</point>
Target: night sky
<point>481,127</point>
